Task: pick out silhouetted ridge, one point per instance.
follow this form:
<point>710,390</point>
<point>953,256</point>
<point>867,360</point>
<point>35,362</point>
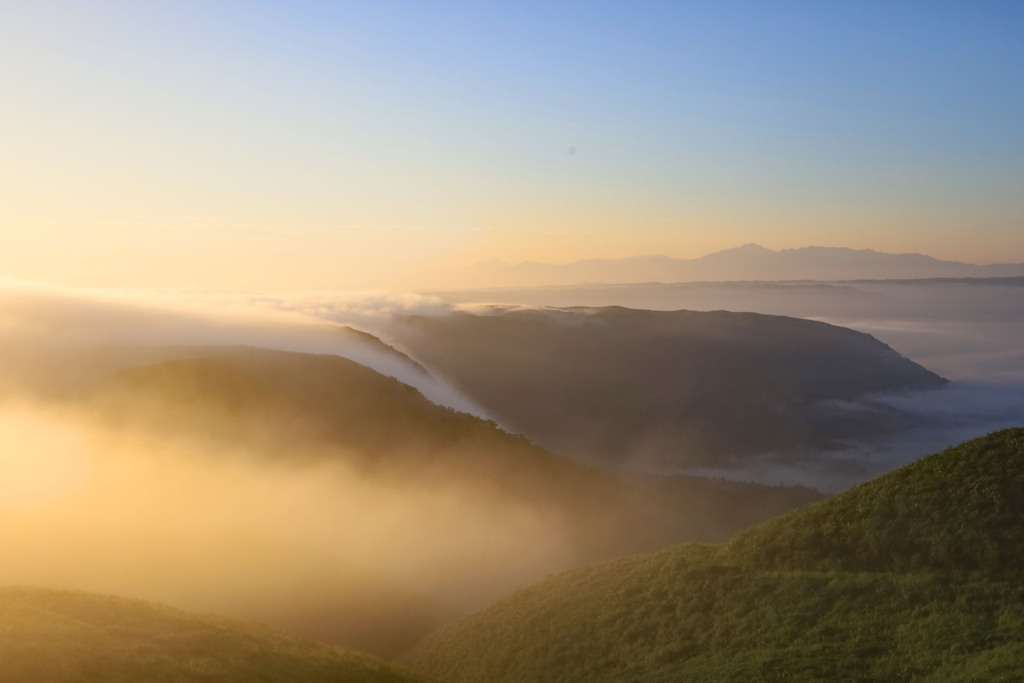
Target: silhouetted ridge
<point>958,510</point>
<point>746,263</point>
<point>667,389</point>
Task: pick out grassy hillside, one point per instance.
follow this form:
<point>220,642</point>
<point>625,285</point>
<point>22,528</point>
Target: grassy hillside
<point>70,637</point>
<point>666,387</point>
<point>912,577</point>
<point>961,510</point>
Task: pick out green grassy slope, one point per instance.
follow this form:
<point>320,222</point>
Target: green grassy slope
<point>911,577</point>
<point>49,636</point>
<point>959,510</point>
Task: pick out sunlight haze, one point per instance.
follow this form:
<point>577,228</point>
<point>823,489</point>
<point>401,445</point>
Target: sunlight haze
<point>522,341</point>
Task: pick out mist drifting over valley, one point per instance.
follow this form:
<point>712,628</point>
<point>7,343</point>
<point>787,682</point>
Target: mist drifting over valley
<point>365,467</point>
<point>250,455</point>
<point>121,483</point>
<point>534,342</point>
<point>969,331</point>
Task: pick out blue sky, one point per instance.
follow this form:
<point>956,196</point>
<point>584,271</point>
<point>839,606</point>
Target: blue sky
<point>333,141</point>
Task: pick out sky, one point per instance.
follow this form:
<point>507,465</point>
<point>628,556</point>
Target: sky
<point>331,145</point>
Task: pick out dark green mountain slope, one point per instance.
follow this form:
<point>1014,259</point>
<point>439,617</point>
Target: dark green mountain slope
<point>49,636</point>
<point>960,510</point>
<point>826,593</point>
<point>665,387</point>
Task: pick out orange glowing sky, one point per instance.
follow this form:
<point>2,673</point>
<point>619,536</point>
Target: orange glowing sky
<point>323,145</point>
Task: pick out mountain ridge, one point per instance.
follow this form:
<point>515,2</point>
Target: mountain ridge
<point>748,262</point>
<point>675,388</point>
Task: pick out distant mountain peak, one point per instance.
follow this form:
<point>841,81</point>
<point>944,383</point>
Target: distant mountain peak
<point>748,262</point>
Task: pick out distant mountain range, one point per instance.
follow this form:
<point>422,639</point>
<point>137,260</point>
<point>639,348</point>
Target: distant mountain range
<point>749,262</point>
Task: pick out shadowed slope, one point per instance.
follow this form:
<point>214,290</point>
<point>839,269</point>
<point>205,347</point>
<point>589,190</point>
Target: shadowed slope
<point>666,388</point>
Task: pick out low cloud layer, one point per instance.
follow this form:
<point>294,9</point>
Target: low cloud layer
<point>39,320</point>
<point>933,421</point>
<point>969,333</point>
<point>313,545</point>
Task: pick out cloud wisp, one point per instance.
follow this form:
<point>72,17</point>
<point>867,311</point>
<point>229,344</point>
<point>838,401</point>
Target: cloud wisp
<point>40,320</point>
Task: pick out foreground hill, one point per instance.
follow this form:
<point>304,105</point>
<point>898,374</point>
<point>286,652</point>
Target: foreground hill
<point>913,576</point>
<point>468,511</point>
<point>958,511</point>
<point>667,388</point>
<point>54,636</point>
